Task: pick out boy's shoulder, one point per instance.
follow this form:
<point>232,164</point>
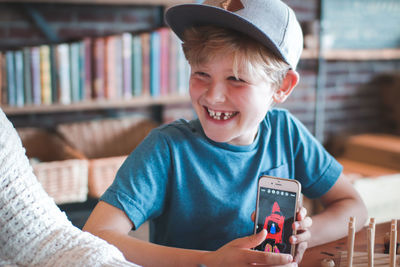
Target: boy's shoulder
<point>178,126</point>
<point>278,113</point>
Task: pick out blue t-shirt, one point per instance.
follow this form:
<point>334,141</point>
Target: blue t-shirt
<point>199,194</point>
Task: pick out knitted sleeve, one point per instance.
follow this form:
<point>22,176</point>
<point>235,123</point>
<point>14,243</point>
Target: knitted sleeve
<point>33,231</point>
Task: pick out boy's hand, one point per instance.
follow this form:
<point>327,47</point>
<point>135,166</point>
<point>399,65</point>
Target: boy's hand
<point>303,234</point>
<point>239,253</point>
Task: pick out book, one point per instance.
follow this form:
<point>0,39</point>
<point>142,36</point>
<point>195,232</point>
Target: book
<point>19,78</point>
<point>45,74</point>
<point>98,68</point>
<point>174,46</point>
<point>127,65</point>
<point>1,79</point>
<point>63,69</point>
<point>155,58</point>
<point>164,60</point>
<point>87,43</point>
<point>118,67</point>
<point>27,76</point>
<point>110,68</point>
<point>36,79</point>
<point>53,76</point>
<point>11,87</point>
<point>137,65</point>
<point>81,71</point>
<point>74,71</point>
<point>145,38</point>
<point>183,71</point>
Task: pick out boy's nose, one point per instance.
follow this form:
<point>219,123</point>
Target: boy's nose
<point>216,93</point>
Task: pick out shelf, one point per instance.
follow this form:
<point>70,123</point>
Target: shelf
<point>354,54</point>
<point>98,105</point>
<point>361,54</point>
<point>309,54</point>
<point>111,2</point>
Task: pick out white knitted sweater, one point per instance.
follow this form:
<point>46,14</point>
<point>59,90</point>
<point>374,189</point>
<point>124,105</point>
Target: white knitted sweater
<point>33,231</point>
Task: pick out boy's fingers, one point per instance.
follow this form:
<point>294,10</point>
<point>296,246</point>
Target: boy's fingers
<point>301,248</point>
<point>299,238</point>
<point>301,214</point>
<point>303,224</point>
<point>268,258</point>
<point>253,216</point>
<point>251,241</point>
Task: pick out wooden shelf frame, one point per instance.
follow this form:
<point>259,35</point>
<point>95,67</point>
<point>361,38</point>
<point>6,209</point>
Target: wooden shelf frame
<point>108,2</point>
<point>136,102</point>
<point>353,54</point>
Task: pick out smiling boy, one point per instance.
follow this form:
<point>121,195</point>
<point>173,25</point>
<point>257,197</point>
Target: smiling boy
<point>196,181</point>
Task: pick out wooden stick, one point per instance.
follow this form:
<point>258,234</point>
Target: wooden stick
<point>371,242</point>
<point>393,241</point>
<point>350,241</point>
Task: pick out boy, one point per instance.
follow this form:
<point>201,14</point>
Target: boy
<point>196,180</point>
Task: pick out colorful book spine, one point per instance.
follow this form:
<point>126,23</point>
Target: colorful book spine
<point>27,76</point>
<point>81,71</point>
<point>155,64</point>
<point>110,68</point>
<point>174,44</point>
<point>164,61</point>
<point>45,74</point>
<point>137,65</point>
<point>11,87</point>
<point>36,79</point>
<point>183,73</point>
<point>64,78</point>
<point>74,69</point>
<point>98,68</point>
<point>87,43</point>
<point>119,90</point>
<point>19,78</point>
<point>127,64</point>
<point>1,79</point>
<point>145,37</point>
<point>53,69</point>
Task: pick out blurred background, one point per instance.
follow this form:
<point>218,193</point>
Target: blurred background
<point>95,76</point>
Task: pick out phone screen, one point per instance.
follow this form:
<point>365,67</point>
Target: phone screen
<point>276,215</point>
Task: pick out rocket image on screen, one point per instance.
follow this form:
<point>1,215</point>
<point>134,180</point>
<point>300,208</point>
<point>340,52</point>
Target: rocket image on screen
<point>276,214</point>
<point>274,225</point>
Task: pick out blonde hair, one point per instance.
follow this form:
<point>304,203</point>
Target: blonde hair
<point>201,44</point>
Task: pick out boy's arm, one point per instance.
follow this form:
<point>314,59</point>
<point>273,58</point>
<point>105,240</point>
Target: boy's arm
<point>341,202</point>
<point>113,225</point>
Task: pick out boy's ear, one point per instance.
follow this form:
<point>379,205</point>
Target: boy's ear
<point>289,82</point>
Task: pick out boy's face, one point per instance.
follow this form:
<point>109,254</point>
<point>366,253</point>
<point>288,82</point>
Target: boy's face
<point>229,110</point>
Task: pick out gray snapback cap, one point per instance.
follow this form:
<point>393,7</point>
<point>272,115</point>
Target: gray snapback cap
<point>270,22</point>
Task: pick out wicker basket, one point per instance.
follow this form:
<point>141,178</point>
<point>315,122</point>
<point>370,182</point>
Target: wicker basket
<point>61,169</point>
<point>106,143</point>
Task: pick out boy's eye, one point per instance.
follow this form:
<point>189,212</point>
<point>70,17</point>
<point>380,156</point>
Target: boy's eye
<point>233,78</point>
<point>202,74</point>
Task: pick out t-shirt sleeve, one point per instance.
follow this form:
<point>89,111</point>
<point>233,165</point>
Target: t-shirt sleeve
<point>315,168</point>
<point>140,186</point>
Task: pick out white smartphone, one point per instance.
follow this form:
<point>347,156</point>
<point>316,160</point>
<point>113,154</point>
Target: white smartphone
<point>277,203</point>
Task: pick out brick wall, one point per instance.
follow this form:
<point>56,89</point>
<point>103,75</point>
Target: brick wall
<point>350,106</point>
<point>71,22</point>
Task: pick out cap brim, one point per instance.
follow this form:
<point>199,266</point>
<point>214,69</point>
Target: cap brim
<point>184,16</point>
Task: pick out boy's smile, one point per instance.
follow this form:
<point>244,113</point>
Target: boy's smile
<point>229,108</point>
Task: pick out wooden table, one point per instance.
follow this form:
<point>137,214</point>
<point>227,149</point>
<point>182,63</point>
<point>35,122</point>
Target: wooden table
<point>314,256</point>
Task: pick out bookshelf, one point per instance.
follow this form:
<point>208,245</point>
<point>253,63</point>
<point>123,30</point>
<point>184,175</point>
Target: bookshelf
<point>144,99</point>
<point>99,105</point>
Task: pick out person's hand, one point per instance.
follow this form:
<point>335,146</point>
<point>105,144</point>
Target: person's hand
<point>239,253</point>
<point>303,234</point>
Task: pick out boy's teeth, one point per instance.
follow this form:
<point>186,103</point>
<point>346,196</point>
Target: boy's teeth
<point>218,114</point>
